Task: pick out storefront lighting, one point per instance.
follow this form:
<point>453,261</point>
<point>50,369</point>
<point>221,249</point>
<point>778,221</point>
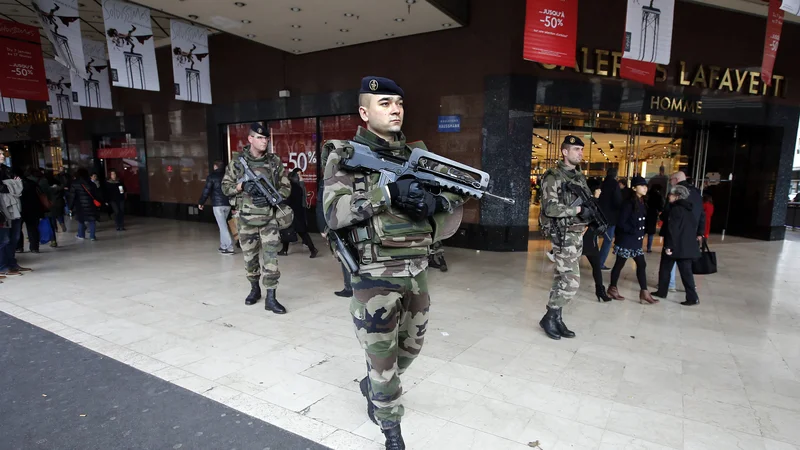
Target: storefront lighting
<point>296,39</point>
<point>295,9</point>
<point>389,34</point>
<point>297,26</point>
<point>447,25</point>
<point>399,19</point>
<point>349,14</point>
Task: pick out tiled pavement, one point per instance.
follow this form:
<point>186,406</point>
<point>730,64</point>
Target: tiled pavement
<point>724,374</point>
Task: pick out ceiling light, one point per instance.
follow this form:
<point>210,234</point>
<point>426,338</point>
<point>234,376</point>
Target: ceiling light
<point>245,21</point>
<point>389,34</point>
<point>240,4</point>
<point>344,30</point>
<point>447,25</point>
<point>295,9</point>
<point>349,14</point>
<point>251,36</point>
<point>340,43</point>
<point>399,19</point>
<point>296,39</point>
<point>193,17</point>
<point>411,2</point>
<point>297,51</point>
<point>297,26</point>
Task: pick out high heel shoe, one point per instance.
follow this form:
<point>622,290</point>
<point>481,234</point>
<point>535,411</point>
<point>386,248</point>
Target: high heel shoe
<point>644,296</point>
<point>600,292</point>
<point>613,292</point>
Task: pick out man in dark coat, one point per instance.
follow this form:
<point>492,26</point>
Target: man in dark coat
<point>299,203</point>
<point>32,209</point>
<point>610,203</point>
<point>680,245</point>
<point>221,205</point>
<point>84,195</point>
<point>696,199</point>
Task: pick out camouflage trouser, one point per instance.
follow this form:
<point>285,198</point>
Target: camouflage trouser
<point>390,317</point>
<point>567,277</point>
<point>264,240</point>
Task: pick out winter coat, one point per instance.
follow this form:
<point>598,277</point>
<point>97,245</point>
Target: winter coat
<point>81,202</point>
<point>297,202</point>
<point>696,199</point>
<point>682,236</point>
<point>213,189</point>
<point>10,193</point>
<point>32,208</point>
<point>111,191</point>
<point>610,200</point>
<point>55,194</point>
<point>630,225</point>
<point>655,204</point>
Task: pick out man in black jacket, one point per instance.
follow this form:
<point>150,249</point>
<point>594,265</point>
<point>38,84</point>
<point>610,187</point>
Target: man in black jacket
<point>222,206</point>
<point>610,203</point>
<point>696,199</point>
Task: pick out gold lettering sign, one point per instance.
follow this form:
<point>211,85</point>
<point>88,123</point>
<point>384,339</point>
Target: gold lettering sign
<point>606,63</point>
<point>675,104</point>
<point>31,118</point>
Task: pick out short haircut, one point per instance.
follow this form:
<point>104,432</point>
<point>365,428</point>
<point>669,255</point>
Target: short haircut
<point>113,171</point>
<point>217,163</point>
<point>680,191</point>
<point>363,100</point>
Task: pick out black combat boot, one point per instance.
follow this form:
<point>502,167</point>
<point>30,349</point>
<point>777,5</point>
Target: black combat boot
<point>437,263</point>
<point>549,325</point>
<point>364,385</point>
<point>272,303</point>
<point>255,293</point>
<point>394,440</point>
<point>344,293</point>
<point>562,329</point>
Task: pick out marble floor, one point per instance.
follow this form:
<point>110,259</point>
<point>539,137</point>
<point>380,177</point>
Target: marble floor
<point>721,375</point>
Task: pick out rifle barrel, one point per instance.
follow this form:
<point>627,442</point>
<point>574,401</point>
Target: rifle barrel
<point>506,200</point>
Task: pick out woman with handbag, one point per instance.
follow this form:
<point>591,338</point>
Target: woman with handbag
<point>628,242</point>
<point>680,245</point>
<point>85,203</point>
<point>298,202</point>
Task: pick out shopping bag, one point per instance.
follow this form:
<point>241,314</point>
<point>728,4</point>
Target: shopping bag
<point>45,231</point>
<point>706,264</point>
<point>233,228</point>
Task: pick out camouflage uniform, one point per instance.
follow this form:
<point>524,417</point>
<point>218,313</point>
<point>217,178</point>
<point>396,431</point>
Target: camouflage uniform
<point>390,302</point>
<point>259,228</point>
<point>565,230</point>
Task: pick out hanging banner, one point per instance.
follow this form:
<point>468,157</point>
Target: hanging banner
<point>59,84</point>
<point>551,32</point>
<point>190,62</point>
<point>95,90</point>
<point>62,26</point>
<point>648,30</point>
<point>22,66</point>
<point>771,40</point>
<point>791,6</point>
<point>130,46</point>
<point>643,72</point>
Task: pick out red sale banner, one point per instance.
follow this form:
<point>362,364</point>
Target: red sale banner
<point>772,39</point>
<point>22,67</point>
<point>641,71</point>
<point>551,31</point>
<point>294,141</point>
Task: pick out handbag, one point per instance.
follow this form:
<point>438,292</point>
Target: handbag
<point>288,235</point>
<point>46,203</point>
<point>45,231</point>
<point>706,264</point>
<point>97,204</point>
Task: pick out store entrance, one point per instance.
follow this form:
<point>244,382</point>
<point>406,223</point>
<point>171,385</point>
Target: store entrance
<point>634,144</point>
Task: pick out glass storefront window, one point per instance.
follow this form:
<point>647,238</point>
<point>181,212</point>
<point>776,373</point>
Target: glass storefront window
<point>121,154</point>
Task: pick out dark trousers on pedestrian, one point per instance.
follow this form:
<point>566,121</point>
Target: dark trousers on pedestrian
<point>32,226</point>
<point>687,277</point>
<point>597,273</point>
<point>54,226</point>
<point>306,240</point>
<point>641,271</point>
<point>119,213</point>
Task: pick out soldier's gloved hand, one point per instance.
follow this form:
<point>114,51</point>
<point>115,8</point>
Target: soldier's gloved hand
<point>409,195</point>
<point>402,187</point>
<point>586,214</point>
<point>442,204</point>
<point>251,188</point>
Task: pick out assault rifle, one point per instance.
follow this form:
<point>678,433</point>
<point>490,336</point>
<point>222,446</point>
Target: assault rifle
<point>263,185</point>
<point>586,201</point>
<point>428,168</point>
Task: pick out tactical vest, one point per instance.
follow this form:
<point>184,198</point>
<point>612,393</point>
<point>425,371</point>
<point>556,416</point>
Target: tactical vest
<point>249,213</point>
<point>390,235</point>
<point>548,225</point>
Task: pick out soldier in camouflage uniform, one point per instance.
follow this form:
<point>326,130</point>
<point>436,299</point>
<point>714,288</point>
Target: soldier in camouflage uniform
<point>390,228</point>
<point>259,222</point>
<point>564,224</point>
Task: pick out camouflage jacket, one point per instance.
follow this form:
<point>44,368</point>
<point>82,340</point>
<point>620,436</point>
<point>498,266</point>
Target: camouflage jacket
<point>388,242</point>
<point>271,166</point>
<point>556,210</point>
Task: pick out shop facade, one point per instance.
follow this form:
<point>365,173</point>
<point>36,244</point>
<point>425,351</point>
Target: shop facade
<point>709,104</point>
